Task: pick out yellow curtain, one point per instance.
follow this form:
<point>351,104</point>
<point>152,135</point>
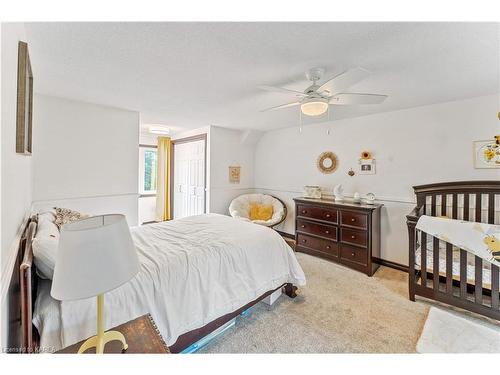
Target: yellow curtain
<point>163,179</point>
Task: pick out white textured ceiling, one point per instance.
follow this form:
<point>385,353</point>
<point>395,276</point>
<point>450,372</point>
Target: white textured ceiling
<point>196,74</point>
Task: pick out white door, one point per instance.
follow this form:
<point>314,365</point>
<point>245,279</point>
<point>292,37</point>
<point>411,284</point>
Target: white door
<point>189,178</point>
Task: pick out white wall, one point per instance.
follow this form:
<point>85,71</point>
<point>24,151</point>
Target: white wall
<point>86,152</point>
<point>413,146</point>
<point>229,148</point>
<point>16,170</point>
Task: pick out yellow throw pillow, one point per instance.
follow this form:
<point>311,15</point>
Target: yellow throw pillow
<point>260,211</point>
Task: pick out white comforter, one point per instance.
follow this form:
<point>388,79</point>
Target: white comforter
<point>193,270</point>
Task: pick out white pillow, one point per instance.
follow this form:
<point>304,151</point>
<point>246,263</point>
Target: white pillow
<point>45,245</point>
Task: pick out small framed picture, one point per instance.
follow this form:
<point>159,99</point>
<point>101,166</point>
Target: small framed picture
<point>366,166</point>
<point>234,175</point>
<point>24,117</point>
<point>486,154</point>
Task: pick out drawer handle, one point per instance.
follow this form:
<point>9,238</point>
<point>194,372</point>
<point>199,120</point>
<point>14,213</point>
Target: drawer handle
<point>328,215</point>
<point>302,226</point>
<point>328,247</point>
<point>304,211</point>
<point>304,240</point>
<point>353,219</point>
<point>353,254</point>
<point>327,231</point>
<point>353,236</point>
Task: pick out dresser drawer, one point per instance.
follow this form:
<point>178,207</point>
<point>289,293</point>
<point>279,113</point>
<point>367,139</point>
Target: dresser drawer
<point>354,237</point>
<point>317,229</point>
<point>318,244</point>
<point>318,213</point>
<point>353,219</point>
<point>354,254</point>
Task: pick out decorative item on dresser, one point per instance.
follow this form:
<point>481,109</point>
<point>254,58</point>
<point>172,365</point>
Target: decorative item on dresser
<point>347,233</point>
<point>142,337</point>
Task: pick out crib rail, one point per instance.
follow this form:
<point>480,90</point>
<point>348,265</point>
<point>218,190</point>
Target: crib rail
<point>469,285</point>
<point>474,287</point>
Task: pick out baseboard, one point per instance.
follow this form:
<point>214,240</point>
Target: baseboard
<point>286,235</point>
<point>388,263</point>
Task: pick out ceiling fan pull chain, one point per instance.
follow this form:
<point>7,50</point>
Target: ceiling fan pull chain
<point>300,120</point>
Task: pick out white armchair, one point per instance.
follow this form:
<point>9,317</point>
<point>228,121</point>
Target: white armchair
<point>240,208</point>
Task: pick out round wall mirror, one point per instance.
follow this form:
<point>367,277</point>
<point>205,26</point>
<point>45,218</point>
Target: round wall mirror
<point>327,162</point>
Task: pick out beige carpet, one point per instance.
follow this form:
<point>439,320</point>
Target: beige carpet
<point>339,311</point>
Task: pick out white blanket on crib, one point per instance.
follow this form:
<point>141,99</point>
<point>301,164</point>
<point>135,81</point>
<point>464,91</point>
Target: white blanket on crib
<point>480,239</point>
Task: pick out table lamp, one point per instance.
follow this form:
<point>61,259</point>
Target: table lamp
<point>95,256</point>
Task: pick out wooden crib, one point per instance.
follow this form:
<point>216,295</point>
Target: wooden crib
<point>442,272</point>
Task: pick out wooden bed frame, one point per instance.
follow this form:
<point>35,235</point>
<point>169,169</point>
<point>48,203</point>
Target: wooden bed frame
<point>459,292</point>
<point>23,335</point>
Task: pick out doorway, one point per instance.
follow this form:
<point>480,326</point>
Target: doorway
<point>189,176</point>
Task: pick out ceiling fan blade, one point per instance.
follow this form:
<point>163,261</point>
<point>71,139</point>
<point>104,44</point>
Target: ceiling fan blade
<point>281,106</point>
<point>349,99</point>
<point>282,90</point>
<point>344,80</point>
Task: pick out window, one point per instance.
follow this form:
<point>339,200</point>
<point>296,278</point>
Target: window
<point>147,169</point>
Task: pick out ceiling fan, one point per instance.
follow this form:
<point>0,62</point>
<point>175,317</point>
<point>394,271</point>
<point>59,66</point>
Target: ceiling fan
<point>315,99</point>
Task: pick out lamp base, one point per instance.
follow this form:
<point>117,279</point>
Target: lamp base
<point>99,341</point>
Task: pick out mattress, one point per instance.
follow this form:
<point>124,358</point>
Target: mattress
<point>193,270</point>
<point>455,264</point>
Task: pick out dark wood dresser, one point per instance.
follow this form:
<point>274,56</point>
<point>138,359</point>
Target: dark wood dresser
<point>346,233</point>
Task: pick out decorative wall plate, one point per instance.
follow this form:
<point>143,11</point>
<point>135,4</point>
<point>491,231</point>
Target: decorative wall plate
<point>327,162</point>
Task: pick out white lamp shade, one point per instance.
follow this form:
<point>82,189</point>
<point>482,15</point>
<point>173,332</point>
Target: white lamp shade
<point>95,255</point>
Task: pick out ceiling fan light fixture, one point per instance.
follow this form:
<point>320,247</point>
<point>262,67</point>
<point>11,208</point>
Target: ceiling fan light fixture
<point>314,106</point>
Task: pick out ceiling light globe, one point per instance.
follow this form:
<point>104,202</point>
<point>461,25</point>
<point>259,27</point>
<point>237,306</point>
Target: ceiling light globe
<point>314,107</point>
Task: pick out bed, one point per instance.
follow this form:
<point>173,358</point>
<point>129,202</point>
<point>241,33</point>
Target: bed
<point>197,273</point>
<point>442,272</point>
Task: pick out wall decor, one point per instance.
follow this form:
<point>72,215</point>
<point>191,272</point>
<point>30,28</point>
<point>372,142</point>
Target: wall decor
<point>234,174</point>
<point>486,154</point>
<point>366,166</point>
<point>366,155</point>
<point>327,162</point>
<point>24,115</point>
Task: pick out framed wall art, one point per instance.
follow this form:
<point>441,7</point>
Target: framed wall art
<point>234,175</point>
<point>486,154</point>
<point>366,166</point>
<point>366,163</point>
<point>24,116</point>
